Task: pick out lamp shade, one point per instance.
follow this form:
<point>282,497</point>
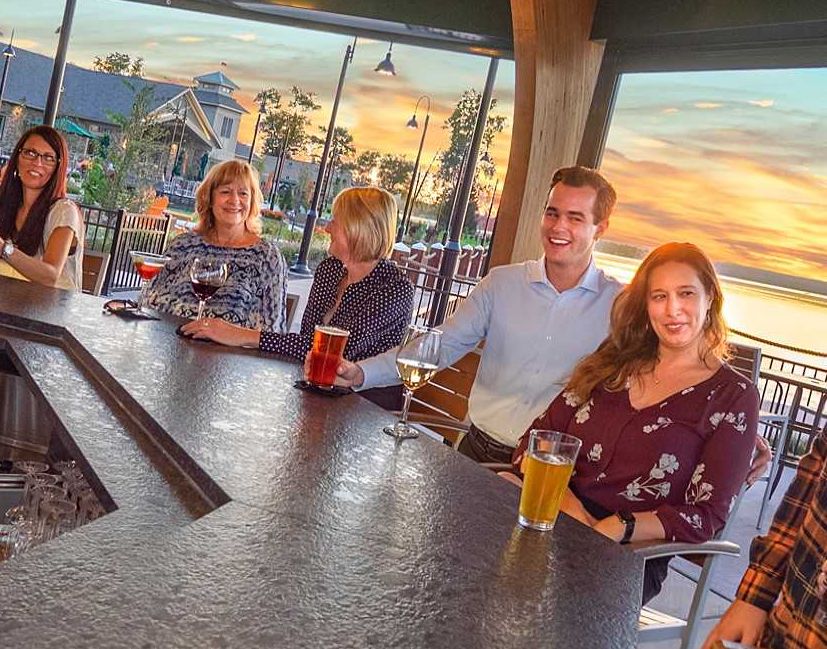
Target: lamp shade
<point>412,123</point>
<point>386,66</point>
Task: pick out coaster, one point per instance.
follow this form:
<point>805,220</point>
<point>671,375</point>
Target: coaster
<point>333,391</point>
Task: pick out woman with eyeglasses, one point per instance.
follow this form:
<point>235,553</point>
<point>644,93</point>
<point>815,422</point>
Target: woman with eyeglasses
<point>41,231</point>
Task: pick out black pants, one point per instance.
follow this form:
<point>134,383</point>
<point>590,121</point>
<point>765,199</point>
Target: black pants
<point>654,570</point>
<point>483,448</point>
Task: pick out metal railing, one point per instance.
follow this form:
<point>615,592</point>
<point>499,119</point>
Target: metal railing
<point>117,232</point>
<point>144,232</point>
<point>805,404</point>
<point>427,293</point>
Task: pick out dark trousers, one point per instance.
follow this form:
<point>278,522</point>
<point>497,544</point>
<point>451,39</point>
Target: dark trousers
<point>654,570</point>
<point>483,448</point>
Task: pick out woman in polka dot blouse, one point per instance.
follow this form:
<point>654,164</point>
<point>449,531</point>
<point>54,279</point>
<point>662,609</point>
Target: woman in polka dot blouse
<point>357,288</point>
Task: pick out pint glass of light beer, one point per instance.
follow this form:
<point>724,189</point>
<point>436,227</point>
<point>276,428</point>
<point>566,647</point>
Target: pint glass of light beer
<point>326,355</point>
<point>548,464</point>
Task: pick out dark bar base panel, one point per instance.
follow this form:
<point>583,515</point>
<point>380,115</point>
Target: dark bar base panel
<point>246,513</point>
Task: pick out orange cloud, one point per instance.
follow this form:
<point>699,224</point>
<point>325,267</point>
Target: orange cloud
<point>661,202</point>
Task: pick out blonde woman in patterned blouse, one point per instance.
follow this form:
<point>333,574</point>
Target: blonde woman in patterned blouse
<point>668,428</point>
<point>357,288</point>
<point>228,203</point>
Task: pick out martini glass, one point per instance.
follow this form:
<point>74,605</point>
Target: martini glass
<point>147,265</point>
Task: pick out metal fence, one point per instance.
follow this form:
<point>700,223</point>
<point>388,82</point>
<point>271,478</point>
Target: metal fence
<point>117,232</point>
<point>431,290</point>
<point>799,391</point>
<point>144,232</point>
<point>101,227</point>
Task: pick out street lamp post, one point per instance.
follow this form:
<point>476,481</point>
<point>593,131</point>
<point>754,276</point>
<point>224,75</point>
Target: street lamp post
<point>409,200</point>
<point>8,55</point>
<point>285,141</point>
<point>300,267</point>
<point>255,132</point>
<point>490,207</point>
<point>59,67</point>
<point>450,255</point>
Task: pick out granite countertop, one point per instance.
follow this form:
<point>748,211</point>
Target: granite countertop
<point>246,513</point>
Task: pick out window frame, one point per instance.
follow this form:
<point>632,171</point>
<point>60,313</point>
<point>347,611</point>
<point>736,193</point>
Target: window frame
<point>622,58</point>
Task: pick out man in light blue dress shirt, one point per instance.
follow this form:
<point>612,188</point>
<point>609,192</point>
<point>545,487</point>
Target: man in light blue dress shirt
<point>538,319</point>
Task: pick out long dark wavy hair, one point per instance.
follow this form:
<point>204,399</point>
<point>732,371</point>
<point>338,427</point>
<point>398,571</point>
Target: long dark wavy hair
<point>11,192</point>
<point>632,346</point>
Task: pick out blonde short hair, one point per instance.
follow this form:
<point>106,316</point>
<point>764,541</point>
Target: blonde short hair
<point>368,217</point>
<point>224,174</point>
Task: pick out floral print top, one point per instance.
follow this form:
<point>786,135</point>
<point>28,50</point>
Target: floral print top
<point>684,458</point>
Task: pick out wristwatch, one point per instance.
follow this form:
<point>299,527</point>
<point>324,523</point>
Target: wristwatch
<point>7,249</point>
<point>628,519</point>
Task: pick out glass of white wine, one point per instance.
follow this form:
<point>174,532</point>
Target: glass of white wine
<point>416,362</point>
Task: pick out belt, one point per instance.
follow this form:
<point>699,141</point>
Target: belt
<point>487,442</point>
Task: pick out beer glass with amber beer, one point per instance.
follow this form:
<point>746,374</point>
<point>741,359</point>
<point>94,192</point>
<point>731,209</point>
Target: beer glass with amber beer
<point>326,355</point>
<point>547,467</point>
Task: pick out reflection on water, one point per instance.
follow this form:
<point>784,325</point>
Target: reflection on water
<point>785,316</point>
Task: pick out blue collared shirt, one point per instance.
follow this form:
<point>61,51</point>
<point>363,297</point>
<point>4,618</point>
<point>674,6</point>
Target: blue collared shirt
<point>534,336</point>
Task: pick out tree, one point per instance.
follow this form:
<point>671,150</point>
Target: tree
<point>122,173</point>
<point>291,120</point>
<point>366,167</point>
<point>341,145</point>
<point>119,63</point>
<point>395,173</point>
<point>461,124</point>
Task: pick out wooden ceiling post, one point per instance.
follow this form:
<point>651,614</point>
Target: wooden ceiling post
<point>556,69</point>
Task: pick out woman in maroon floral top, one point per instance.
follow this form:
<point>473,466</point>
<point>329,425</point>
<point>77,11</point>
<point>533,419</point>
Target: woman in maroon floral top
<point>668,428</point>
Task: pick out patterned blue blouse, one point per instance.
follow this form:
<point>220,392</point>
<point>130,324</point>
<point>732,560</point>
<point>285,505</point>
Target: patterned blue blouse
<point>255,292</point>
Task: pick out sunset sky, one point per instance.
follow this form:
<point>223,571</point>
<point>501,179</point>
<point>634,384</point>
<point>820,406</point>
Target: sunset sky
<point>178,45</point>
<point>734,161</point>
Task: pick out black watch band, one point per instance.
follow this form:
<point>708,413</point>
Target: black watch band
<point>628,519</point>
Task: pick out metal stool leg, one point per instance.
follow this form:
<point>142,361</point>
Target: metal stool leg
<point>775,468</point>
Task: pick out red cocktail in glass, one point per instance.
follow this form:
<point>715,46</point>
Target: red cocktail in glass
<point>147,265</point>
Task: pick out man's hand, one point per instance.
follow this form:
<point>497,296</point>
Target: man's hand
<point>763,455</point>
<point>742,622</point>
<point>349,375</point>
<point>221,331</point>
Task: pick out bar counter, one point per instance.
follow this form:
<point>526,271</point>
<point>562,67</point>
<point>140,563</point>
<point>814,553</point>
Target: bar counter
<point>246,513</point>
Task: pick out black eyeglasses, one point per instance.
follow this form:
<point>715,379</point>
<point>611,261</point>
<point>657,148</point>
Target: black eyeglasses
<point>47,159</point>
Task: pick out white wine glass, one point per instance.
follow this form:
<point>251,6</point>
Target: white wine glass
<point>206,277</point>
<point>417,360</point>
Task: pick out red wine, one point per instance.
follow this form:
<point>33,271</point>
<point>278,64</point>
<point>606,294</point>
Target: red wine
<point>203,291</point>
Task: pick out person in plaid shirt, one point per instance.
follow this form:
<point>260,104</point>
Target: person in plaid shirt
<point>782,599</point>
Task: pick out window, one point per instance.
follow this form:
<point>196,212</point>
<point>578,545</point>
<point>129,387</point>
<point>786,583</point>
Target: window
<point>227,127</point>
<point>731,160</point>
